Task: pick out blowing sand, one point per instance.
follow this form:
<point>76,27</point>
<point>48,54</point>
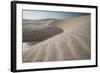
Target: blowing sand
<point>72,44</point>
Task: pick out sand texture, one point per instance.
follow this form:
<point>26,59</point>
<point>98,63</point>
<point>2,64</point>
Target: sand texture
<point>71,44</point>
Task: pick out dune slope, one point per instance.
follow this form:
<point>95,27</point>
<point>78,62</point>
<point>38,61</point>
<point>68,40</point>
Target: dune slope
<point>72,44</point>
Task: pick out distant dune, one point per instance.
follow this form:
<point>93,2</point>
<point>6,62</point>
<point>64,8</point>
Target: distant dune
<point>71,44</point>
<point>39,30</point>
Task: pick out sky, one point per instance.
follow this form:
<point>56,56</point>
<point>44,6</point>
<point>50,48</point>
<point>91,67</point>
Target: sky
<point>36,14</point>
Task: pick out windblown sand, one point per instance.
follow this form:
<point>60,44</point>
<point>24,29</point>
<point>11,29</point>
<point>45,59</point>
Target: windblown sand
<point>72,44</point>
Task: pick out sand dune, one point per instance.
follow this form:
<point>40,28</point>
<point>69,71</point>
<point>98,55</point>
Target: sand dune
<point>39,30</point>
<point>72,44</point>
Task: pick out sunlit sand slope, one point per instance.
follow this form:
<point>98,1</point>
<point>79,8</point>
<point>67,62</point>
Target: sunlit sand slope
<point>72,44</point>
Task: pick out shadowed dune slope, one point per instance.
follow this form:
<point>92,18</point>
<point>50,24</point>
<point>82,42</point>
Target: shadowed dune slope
<point>72,44</point>
<point>40,35</point>
<point>39,30</point>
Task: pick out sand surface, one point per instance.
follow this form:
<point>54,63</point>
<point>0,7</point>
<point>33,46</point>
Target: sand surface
<point>72,44</point>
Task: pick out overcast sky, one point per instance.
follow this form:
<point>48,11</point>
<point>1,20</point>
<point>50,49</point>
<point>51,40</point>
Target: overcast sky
<point>33,14</point>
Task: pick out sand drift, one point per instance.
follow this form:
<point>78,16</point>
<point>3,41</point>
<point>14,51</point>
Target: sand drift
<point>57,40</point>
